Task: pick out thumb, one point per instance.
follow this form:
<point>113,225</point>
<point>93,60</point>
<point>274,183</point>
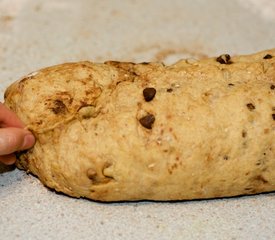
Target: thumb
<point>15,139</point>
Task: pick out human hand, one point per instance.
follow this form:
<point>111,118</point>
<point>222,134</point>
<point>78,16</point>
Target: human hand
<point>13,136</point>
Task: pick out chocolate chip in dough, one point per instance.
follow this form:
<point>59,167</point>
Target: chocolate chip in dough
<point>169,90</point>
<point>250,106</point>
<point>149,94</point>
<point>224,59</point>
<point>267,56</point>
<point>273,116</point>
<point>272,87</point>
<point>244,133</point>
<point>147,121</point>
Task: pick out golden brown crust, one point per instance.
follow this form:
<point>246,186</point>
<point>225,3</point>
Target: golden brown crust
<point>124,131</point>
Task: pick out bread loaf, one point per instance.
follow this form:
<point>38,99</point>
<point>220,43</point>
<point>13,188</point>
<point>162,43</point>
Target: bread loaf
<point>122,131</point>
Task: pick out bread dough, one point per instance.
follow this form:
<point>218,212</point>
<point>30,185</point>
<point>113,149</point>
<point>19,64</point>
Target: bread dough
<point>123,131</point>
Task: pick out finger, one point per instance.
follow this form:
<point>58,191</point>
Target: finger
<point>9,118</point>
<point>8,159</point>
<point>15,139</point>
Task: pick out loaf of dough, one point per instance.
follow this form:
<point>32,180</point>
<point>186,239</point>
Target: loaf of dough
<point>122,131</point>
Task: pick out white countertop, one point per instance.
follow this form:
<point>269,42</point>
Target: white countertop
<point>36,34</point>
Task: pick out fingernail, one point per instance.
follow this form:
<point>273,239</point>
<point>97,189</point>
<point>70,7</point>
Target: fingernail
<point>29,141</point>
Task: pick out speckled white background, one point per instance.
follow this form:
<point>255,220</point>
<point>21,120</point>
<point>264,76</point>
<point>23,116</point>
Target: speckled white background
<point>37,33</point>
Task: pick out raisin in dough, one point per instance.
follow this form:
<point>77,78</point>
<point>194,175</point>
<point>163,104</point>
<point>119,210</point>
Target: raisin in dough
<point>123,131</point>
